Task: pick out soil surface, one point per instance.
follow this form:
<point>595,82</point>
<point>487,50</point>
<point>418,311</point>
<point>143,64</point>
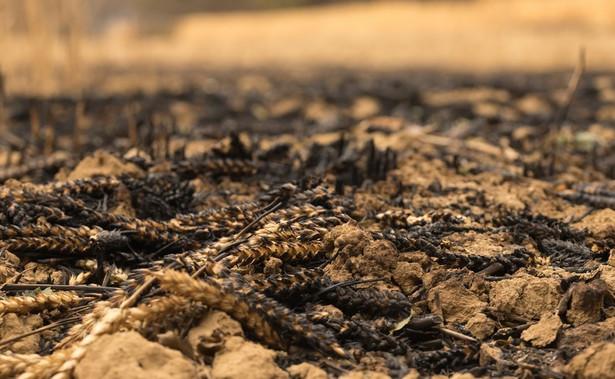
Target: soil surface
<point>344,225</point>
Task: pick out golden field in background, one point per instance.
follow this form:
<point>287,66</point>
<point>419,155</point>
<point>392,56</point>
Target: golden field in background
<point>56,54</point>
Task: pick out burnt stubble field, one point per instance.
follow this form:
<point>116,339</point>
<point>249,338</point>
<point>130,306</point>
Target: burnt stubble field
<point>343,224</point>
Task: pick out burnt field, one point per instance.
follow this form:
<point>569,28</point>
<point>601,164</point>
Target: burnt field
<point>342,225</point>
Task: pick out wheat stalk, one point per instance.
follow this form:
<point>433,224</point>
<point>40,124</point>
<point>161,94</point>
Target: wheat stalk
<point>26,304</point>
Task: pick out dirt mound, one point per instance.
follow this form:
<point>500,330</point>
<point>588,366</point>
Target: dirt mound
<point>128,354</point>
<point>101,163</point>
<point>239,358</point>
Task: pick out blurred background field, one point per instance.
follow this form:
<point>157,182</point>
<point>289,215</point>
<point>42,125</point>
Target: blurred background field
<point>67,46</point>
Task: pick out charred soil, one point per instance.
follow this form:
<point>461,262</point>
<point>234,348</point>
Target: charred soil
<point>349,225</point>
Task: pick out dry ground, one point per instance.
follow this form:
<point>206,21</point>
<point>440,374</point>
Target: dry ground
<point>488,259</point>
<point>484,222</point>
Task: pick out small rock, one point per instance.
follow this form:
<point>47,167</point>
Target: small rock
<point>306,371</point>
<point>595,362</point>
<point>481,326</point>
<point>244,359</point>
<point>544,332</point>
<point>586,302</point>
<point>129,355</point>
<point>525,296</point>
<point>456,302</point>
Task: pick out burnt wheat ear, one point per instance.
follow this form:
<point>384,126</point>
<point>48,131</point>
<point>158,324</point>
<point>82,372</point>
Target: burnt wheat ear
<point>255,311</point>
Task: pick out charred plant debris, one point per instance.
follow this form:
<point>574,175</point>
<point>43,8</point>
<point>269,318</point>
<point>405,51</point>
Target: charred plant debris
<point>367,243</point>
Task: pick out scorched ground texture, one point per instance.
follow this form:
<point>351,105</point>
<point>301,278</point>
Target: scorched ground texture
<point>352,226</point>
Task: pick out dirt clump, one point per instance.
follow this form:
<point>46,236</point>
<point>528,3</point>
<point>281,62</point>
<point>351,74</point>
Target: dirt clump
<point>489,354</point>
<point>364,107</point>
<point>481,326</point>
<point>544,332</point>
<point>586,302</point>
<point>329,309</point>
<point>475,243</point>
<point>413,374</point>
<point>12,325</point>
<point>379,259</point>
<point>586,334</point>
<point>454,376</point>
<point>242,358</point>
<point>39,272</point>
<point>596,361</point>
<point>600,223</point>
<point>359,256</point>
<point>208,336</point>
<point>122,355</point>
<point>407,275</point>
<point>216,320</point>
<point>273,266</point>
<point>9,263</point>
<point>350,238</point>
<point>17,184</point>
<point>534,105</point>
<point>122,203</point>
<point>607,274</point>
<point>101,163</point>
<point>306,371</point>
<point>525,295</point>
<point>364,374</point>
<point>453,302</point>
<point>172,340</point>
